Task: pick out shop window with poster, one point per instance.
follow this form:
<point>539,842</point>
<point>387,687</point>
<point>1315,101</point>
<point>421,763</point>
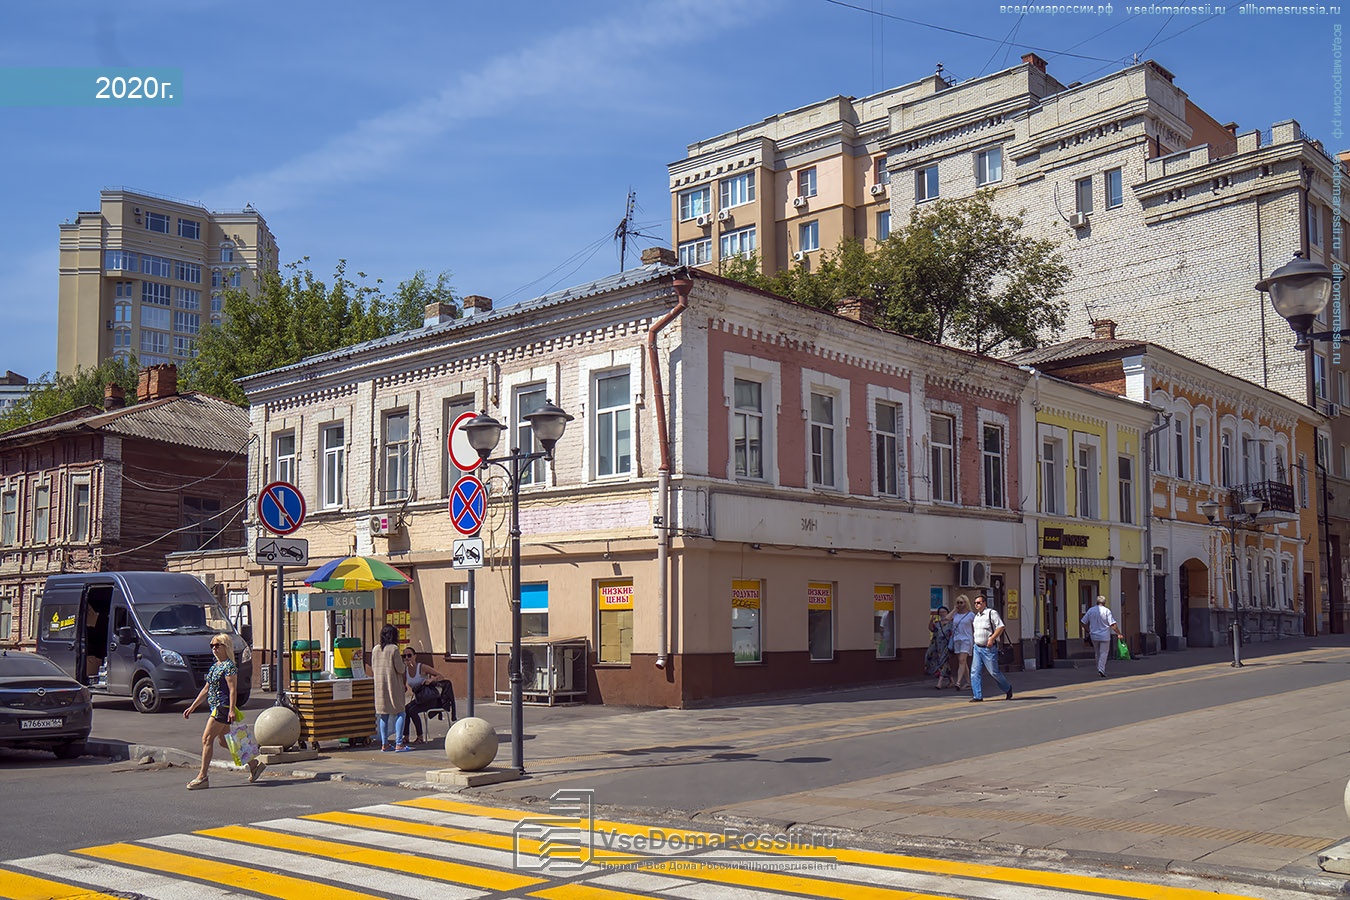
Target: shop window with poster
<point>820,620</point>
<point>746,643</point>
<point>614,611</point>
<point>397,612</point>
<point>883,620</point>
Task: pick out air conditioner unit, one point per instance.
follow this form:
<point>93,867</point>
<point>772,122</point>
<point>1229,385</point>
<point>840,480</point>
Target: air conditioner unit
<point>724,216</point>
<point>1333,409</point>
<point>799,256</point>
<point>379,525</point>
<point>799,202</point>
<point>703,221</point>
<point>1078,220</point>
<point>878,190</point>
<point>972,573</point>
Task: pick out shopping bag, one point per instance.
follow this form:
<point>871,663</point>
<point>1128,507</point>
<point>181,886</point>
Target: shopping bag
<point>1122,650</point>
<point>240,740</point>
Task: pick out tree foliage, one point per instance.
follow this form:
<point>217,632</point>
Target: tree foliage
<point>295,315</point>
<point>959,272</point>
<point>62,393</point>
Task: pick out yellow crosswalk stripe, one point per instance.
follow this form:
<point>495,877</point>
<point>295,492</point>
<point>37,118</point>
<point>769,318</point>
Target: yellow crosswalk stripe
<point>17,886</point>
<point>441,870</point>
<point>417,829</point>
<point>269,884</point>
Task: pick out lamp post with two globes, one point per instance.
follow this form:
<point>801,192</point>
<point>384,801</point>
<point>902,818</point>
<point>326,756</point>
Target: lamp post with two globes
<point>547,424</point>
<point>1244,513</point>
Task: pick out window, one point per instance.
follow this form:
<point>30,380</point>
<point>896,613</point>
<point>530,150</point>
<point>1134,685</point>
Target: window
<point>1125,475</point>
<point>820,620</point>
<point>396,456</point>
<point>806,182</point>
<point>201,528</point>
<point>746,643</point>
<point>157,222</point>
<point>42,514</point>
<point>79,511</point>
<point>457,619</point>
<point>989,166</point>
<point>9,518</point>
<point>1314,216</point>
<point>187,298</point>
<point>942,461</point>
<point>614,614</point>
<point>1323,450</point>
<point>1179,436</point>
<point>334,472</point>
<point>696,253</point>
<point>154,317</point>
<point>120,261</point>
<point>189,272</point>
<point>1251,582</point>
<point>737,190</point>
<point>534,610</point>
<point>283,457</point>
<point>217,279</point>
<point>529,399</point>
<point>156,342</point>
<point>227,253</point>
<point>880,174</point>
<point>822,440</point>
<point>1201,451</point>
<point>1115,188</point>
<point>926,184</point>
<point>187,323</point>
<point>155,293</point>
<point>1320,375</point>
<point>122,290</point>
<point>1082,191</point>
<point>122,312</point>
<point>6,618</point>
<point>1052,477</point>
<point>883,620</point>
<point>613,425</point>
<point>1341,390</point>
<point>1088,497</point>
<point>1226,459</point>
<point>217,306</point>
<point>1286,585</point>
<point>184,346</point>
<point>747,428</point>
<point>883,225</point>
<point>189,229</point>
<point>740,242</point>
<point>1268,570</point>
<point>236,279</point>
<point>889,440</point>
<point>1281,466</point>
<point>1303,498</point>
<point>808,236</point>
<point>158,266</point>
<point>695,203</point>
<point>992,457</point>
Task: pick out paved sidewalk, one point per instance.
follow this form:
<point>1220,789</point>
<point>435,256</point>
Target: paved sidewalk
<point>1268,797</point>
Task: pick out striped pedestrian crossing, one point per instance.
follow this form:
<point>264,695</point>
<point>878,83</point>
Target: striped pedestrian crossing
<point>442,847</point>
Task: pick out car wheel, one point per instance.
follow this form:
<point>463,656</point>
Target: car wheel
<point>242,696</point>
<point>145,696</point>
<point>69,750</point>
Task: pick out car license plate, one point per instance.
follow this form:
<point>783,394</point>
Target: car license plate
<point>40,723</point>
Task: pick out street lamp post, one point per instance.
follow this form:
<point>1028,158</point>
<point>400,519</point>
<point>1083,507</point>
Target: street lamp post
<point>546,425</point>
<point>1250,507</point>
<point>1299,291</point>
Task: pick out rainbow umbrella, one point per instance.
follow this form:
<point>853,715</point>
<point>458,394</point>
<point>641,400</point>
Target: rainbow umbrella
<point>356,573</point>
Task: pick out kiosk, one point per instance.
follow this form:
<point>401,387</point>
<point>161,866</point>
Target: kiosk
<point>337,703</point>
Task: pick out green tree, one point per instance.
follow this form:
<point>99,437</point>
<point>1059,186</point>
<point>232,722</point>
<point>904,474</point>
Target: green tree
<point>295,315</point>
<point>63,393</point>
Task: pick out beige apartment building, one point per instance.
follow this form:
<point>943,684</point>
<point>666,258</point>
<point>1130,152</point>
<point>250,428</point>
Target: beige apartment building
<point>143,273</point>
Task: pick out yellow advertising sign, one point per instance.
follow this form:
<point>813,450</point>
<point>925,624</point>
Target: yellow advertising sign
<point>744,594</point>
<point>883,598</point>
<point>1012,606</point>
<point>819,595</point>
<point>616,594</point>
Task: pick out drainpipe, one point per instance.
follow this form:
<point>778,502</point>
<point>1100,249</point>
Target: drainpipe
<point>682,284</point>
<point>1148,522</point>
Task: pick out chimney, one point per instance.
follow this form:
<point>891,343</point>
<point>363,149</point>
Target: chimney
<point>1231,128</point>
<point>474,304</point>
<point>662,255</point>
<point>114,397</point>
<point>438,314</point>
<point>1103,330</point>
<point>859,309</point>
<point>157,382</point>
<point>1034,61</point>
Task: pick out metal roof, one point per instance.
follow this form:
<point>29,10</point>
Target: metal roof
<point>186,420</point>
<point>1078,348</point>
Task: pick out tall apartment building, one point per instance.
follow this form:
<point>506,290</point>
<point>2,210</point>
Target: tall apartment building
<point>143,274</point>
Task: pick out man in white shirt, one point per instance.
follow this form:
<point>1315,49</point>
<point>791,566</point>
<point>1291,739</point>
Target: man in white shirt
<point>988,628</point>
<point>1101,628</point>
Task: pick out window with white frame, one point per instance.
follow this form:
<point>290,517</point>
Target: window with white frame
<point>1052,475</point>
<point>808,236</point>
<point>925,184</point>
<point>457,619</point>
<point>187,228</point>
<point>6,617</point>
<point>1314,216</point>
<point>334,472</point>
<point>1179,435</point>
<point>880,174</point>
<point>120,261</point>
<point>227,252</point>
<point>747,428</point>
<point>154,317</point>
<point>1252,599</point>
<point>1082,192</point>
<point>1263,460</point>
<point>823,438</point>
<point>737,190</point>
<point>187,298</point>
<point>397,456</point>
<point>696,252</point>
<point>1088,482</point>
<point>989,166</point>
<point>156,293</point>
<point>1323,449</point>
<point>694,203</point>
<point>1115,188</point>
<point>156,266</point>
<point>1341,387</point>
<point>613,406</point>
<point>1226,459</point>
<point>1125,482</point>
<point>534,609</point>
<point>991,455</point>
<point>1248,459</point>
<point>806,182</point>
<point>1268,571</point>
<point>883,225</point>
<point>1286,585</point>
<point>1281,465</point>
<point>942,457</point>
<point>186,271</point>
<point>889,441</point>
<point>1200,459</point>
<point>157,222</point>
<point>1303,498</point>
<point>740,242</point>
<point>9,518</point>
<point>42,514</point>
<point>1320,375</point>
<point>1162,457</point>
<point>529,399</point>
<point>283,457</point>
<point>79,511</point>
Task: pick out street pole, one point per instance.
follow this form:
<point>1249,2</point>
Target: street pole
<point>469,678</point>
<point>516,679</point>
<point>281,636</point>
<point>1236,594</point>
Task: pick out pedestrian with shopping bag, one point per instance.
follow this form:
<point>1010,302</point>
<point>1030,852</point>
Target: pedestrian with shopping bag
<point>219,693</point>
<point>1101,628</point>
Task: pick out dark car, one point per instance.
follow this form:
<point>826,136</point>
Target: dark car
<point>41,707</point>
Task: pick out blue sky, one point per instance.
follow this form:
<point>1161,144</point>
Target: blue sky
<point>498,141</point>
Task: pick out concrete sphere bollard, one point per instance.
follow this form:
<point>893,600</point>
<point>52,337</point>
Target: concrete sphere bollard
<point>1346,799</point>
<point>471,744</point>
<point>277,726</point>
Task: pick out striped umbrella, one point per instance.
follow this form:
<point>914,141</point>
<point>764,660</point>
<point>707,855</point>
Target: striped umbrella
<point>356,573</point>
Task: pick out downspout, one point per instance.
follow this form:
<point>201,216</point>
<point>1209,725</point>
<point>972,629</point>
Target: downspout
<point>1148,522</point>
<point>682,284</point>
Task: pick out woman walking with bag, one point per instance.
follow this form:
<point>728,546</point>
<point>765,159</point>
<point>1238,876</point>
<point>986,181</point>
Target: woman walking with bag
<point>222,682</point>
<point>1102,631</point>
<point>391,684</point>
<point>937,661</point>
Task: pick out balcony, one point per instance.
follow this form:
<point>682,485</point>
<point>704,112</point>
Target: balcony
<point>1277,500</point>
